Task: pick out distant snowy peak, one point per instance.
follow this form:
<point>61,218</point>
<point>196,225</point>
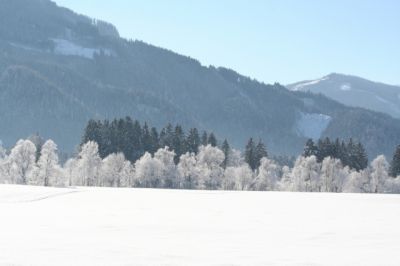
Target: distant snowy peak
<point>355,91</point>
<point>302,86</point>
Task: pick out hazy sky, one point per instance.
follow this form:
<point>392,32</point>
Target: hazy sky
<point>271,40</point>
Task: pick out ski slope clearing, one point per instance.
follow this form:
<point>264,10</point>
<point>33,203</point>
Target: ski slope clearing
<point>108,226</point>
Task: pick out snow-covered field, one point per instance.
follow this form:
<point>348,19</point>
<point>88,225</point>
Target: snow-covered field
<point>106,226</point>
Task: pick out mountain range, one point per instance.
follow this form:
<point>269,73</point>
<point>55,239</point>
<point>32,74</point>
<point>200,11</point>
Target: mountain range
<point>58,69</point>
<point>355,91</point>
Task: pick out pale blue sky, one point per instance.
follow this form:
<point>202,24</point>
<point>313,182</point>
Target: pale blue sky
<point>270,40</point>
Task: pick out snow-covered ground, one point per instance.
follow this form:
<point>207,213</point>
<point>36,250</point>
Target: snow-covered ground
<point>106,226</point>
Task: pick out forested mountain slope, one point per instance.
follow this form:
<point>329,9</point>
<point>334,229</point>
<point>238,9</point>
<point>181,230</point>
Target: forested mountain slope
<point>59,69</point>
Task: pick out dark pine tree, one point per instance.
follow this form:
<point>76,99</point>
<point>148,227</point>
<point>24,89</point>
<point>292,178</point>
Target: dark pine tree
<point>351,154</point>
<point>212,140</point>
<point>395,164</point>
<point>324,149</point>
<point>106,139</point>
<point>136,138</point>
<point>336,149</point>
<point>361,157</point>
<point>167,136</point>
<point>260,152</point>
<point>92,132</point>
<point>227,150</point>
<point>250,154</point>
<point>146,138</point>
<point>193,141</point>
<point>178,142</point>
<point>154,140</point>
<point>310,149</point>
<point>204,139</point>
<point>126,135</point>
<point>344,154</point>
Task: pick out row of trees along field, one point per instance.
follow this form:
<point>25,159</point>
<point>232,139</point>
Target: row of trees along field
<point>129,137</point>
<point>323,167</point>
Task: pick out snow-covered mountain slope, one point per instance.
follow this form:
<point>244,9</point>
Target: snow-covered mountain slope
<point>108,226</point>
<point>355,91</point>
<point>312,125</point>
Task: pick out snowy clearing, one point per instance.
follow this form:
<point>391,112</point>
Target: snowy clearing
<point>302,86</point>
<point>65,47</point>
<point>312,125</point>
<point>107,226</point>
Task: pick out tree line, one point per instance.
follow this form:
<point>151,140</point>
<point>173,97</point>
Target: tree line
<point>124,153</point>
<point>203,170</point>
<point>350,153</point>
<point>133,139</point>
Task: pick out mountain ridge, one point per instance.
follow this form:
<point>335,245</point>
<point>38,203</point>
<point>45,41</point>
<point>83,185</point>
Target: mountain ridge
<point>113,77</point>
<point>355,91</point>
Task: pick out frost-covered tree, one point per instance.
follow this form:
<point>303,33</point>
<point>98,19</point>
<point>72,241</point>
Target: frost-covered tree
<point>39,142</point>
<point>333,175</point>
<point>392,185</point>
<point>89,163</point>
<point>22,161</point>
<point>286,183</point>
<point>128,175</point>
<point>71,174</point>
<point>148,172</point>
<point>235,158</point>
<point>238,178</point>
<point>4,165</point>
<point>209,161</point>
<point>48,172</point>
<point>188,172</point>
<point>268,175</point>
<point>115,170</point>
<point>379,174</point>
<point>306,174</point>
<point>3,152</point>
<point>243,177</point>
<point>169,171</point>
<point>358,182</point>
<point>229,179</point>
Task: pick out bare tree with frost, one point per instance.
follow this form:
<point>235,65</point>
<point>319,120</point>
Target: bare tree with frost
<point>209,161</point>
<point>48,172</point>
<point>188,172</point>
<point>306,174</point>
<point>148,172</point>
<point>115,171</point>
<point>22,161</point>
<point>379,174</point>
<point>88,165</point>
<point>268,175</point>
<point>169,171</point>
